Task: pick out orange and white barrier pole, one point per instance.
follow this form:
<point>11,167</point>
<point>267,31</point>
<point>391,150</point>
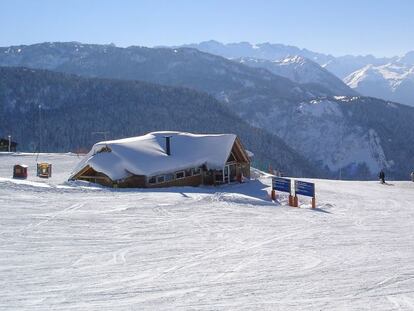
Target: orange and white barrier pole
<point>295,201</point>
<point>291,201</point>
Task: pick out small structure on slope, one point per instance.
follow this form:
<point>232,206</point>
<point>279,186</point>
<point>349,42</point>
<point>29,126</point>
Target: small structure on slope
<point>44,170</point>
<point>163,159</point>
<point>20,171</point>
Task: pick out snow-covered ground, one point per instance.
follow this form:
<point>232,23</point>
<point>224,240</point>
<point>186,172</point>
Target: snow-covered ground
<point>68,247</point>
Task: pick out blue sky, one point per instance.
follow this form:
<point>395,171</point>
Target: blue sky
<point>381,27</point>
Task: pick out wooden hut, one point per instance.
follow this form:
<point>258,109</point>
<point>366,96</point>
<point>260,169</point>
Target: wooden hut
<point>20,171</point>
<point>44,170</point>
<point>164,159</point>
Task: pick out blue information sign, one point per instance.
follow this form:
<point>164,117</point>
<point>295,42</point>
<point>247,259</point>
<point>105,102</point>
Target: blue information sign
<point>281,184</point>
<point>305,188</point>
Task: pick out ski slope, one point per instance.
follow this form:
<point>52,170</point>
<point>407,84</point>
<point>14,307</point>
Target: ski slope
<point>75,247</point>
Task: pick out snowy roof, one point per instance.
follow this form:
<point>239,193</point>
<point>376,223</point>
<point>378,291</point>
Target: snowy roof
<point>145,155</point>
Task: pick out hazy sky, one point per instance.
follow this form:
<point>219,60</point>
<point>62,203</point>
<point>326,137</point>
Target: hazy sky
<point>338,27</point>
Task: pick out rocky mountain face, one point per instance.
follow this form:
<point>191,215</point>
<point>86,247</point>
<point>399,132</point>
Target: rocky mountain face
<point>351,136</point>
<point>301,70</point>
<point>65,112</point>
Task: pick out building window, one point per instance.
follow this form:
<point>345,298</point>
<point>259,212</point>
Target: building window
<point>169,177</point>
<point>177,175</point>
<point>196,171</point>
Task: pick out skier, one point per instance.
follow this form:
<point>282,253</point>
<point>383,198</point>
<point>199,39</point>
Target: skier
<point>412,176</point>
<point>382,177</point>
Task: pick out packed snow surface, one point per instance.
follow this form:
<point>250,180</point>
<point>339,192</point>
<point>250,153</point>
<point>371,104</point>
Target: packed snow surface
<point>146,155</point>
<point>75,246</point>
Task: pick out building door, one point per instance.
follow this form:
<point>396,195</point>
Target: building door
<point>233,172</point>
<point>226,175</point>
<point>230,173</point>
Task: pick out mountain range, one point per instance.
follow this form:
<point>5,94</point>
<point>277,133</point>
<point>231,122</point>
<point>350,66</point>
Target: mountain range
<point>345,134</point>
<point>301,70</point>
<point>389,78</point>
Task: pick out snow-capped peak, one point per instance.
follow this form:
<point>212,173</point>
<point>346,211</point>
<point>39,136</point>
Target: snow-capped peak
<point>296,59</point>
<point>301,70</point>
<point>408,58</point>
<point>393,81</point>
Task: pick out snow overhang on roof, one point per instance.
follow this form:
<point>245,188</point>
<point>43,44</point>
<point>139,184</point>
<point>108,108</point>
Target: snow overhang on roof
<point>146,155</point>
<point>249,153</point>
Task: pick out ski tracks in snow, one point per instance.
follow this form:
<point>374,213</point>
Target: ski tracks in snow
<point>50,217</point>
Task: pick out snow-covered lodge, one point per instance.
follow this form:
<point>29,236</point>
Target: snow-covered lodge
<point>163,159</point>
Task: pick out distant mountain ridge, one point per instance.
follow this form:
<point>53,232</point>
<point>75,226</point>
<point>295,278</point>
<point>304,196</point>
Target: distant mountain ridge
<point>341,66</point>
<point>268,51</point>
<point>389,78</point>
<point>301,70</point>
<point>182,67</point>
